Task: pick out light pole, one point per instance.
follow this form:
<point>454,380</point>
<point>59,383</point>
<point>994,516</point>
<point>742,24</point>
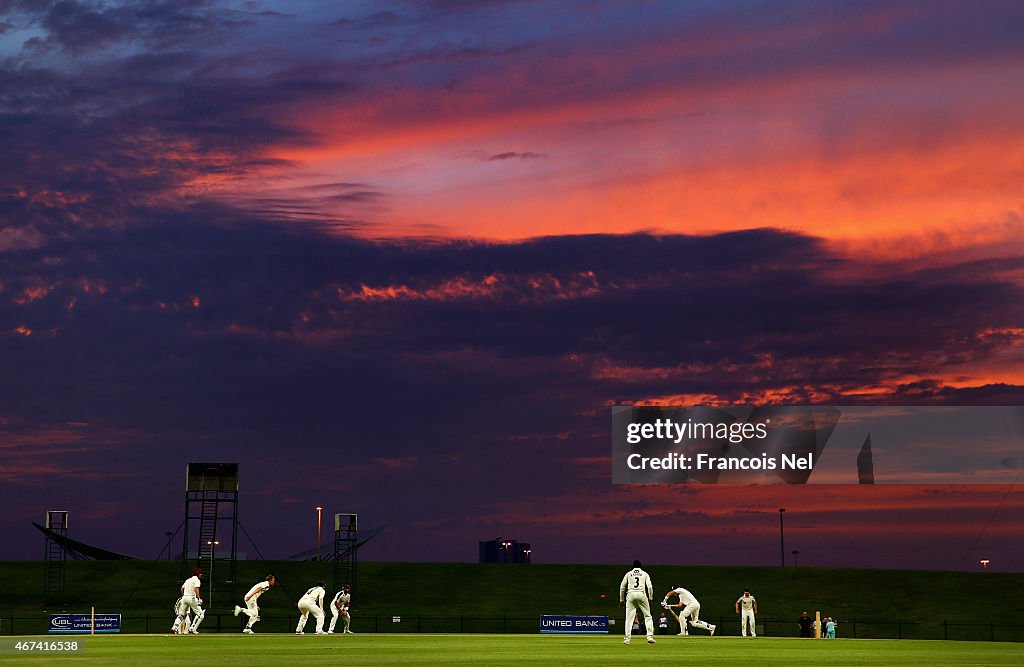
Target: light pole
<point>169,535</point>
<point>319,514</point>
<point>782,539</point>
<point>213,547</point>
<point>796,552</point>
<point>984,563</point>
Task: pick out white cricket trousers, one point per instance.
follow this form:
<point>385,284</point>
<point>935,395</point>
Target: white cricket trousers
<point>692,612</point>
<point>637,600</point>
<point>306,608</point>
<point>747,616</point>
<point>189,602</point>
<point>334,618</point>
<point>252,610</point>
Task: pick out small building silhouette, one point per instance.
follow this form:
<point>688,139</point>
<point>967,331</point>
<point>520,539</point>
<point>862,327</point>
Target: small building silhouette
<point>504,550</point>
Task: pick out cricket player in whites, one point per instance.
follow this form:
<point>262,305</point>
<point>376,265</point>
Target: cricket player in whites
<point>190,600</point>
<point>688,607</point>
<point>749,605</point>
<point>636,593</point>
<point>252,609</point>
<point>312,603</point>
<point>340,605</point>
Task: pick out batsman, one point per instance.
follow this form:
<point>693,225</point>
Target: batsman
<point>689,609</point>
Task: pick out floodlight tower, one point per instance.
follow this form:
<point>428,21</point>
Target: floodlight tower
<point>319,524</point>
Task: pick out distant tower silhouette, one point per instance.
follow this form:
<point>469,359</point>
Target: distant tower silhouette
<point>865,464</point>
<point>56,555</point>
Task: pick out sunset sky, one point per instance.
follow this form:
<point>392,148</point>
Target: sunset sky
<point>401,258</point>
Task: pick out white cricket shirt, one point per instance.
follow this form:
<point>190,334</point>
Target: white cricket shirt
<point>635,580</point>
<point>191,586</point>
<point>746,602</point>
<point>256,591</point>
<point>315,595</point>
<point>685,596</point>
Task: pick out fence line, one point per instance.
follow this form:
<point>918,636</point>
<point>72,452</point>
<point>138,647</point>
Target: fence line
<point>13,624</point>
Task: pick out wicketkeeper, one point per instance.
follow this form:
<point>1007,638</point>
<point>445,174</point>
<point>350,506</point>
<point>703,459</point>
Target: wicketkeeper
<point>340,607</point>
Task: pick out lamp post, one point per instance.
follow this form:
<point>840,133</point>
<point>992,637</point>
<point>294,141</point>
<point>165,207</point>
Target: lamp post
<point>213,548</point>
<point>782,539</point>
<point>169,535</point>
<point>984,563</point>
<point>796,552</point>
<point>319,514</point>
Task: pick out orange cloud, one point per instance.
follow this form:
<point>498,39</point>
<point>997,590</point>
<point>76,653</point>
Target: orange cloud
<point>848,155</point>
<point>535,287</point>
<point>663,509</point>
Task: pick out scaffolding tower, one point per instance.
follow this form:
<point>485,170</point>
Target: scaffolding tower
<point>346,542</point>
<point>56,556</point>
<point>211,499</point>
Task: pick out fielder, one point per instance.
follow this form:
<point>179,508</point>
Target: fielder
<point>340,605</point>
<point>749,605</point>
<point>635,593</point>
<point>190,600</point>
<point>689,609</point>
<point>312,603</point>
<point>252,609</point>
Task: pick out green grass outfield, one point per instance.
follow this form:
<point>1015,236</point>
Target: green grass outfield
<point>920,600</point>
<point>383,649</point>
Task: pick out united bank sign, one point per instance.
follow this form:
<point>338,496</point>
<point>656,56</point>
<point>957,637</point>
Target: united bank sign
<point>84,623</point>
<point>574,625</point>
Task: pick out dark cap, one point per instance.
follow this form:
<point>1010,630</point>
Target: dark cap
<point>637,563</point>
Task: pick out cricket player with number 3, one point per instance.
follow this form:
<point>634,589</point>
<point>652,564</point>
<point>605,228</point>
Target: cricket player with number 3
<point>689,609</point>
<point>636,593</point>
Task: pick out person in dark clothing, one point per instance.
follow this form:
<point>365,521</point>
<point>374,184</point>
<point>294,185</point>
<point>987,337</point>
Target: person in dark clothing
<point>806,624</point>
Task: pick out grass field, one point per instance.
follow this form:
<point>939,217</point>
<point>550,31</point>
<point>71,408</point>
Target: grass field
<point>867,602</point>
<point>382,649</point>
